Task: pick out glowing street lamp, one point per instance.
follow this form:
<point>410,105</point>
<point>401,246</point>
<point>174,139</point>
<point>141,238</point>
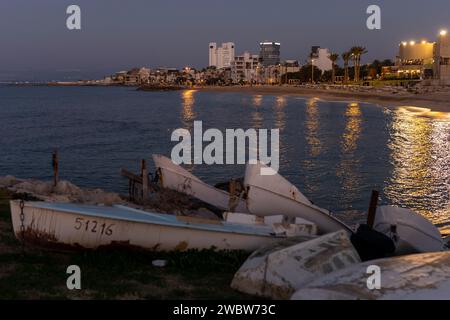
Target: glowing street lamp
<point>443,32</point>
<point>412,43</point>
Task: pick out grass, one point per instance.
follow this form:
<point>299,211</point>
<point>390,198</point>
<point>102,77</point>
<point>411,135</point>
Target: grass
<point>30,273</point>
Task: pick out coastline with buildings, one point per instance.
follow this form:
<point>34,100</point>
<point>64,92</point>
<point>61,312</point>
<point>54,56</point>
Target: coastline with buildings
<point>436,99</point>
<point>419,75</point>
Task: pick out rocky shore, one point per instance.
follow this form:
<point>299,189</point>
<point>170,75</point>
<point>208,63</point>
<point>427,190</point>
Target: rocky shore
<point>161,200</point>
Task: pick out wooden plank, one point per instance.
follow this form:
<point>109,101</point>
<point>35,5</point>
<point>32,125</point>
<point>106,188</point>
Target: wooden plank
<point>130,175</point>
<point>55,165</point>
<point>144,175</point>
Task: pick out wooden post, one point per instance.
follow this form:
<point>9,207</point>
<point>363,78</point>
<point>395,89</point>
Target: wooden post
<point>144,175</point>
<point>55,168</point>
<point>372,208</point>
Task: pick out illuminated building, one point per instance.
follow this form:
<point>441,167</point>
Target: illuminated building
<point>269,53</point>
<point>221,57</point>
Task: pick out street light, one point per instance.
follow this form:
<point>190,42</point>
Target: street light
<point>443,32</point>
<point>312,71</point>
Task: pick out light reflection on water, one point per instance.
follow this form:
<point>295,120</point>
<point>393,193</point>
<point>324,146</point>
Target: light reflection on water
<point>420,155</point>
<point>311,128</point>
<point>257,116</point>
<point>336,153</point>
<point>348,169</point>
<point>188,101</point>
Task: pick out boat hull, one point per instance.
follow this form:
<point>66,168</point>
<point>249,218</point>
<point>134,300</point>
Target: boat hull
<point>410,232</point>
<point>272,194</point>
<point>424,276</point>
<point>54,228</point>
<point>176,178</point>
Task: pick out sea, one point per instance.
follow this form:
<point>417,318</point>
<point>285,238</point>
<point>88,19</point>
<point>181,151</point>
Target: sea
<point>336,153</point>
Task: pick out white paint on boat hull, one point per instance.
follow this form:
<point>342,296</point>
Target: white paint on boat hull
<point>418,276</point>
<point>176,178</point>
<point>278,270</point>
<point>52,227</point>
<point>269,195</point>
<point>410,232</point>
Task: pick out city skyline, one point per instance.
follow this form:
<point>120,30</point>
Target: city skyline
<point>177,34</point>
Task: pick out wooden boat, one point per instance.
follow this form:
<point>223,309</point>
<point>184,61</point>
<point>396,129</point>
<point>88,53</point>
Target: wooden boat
<point>273,194</point>
<point>410,232</point>
<point>176,178</point>
<point>69,225</point>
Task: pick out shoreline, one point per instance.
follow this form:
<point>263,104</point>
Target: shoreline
<point>438,101</point>
<point>435,102</point>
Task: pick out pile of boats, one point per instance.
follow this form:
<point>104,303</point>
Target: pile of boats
<point>293,241</point>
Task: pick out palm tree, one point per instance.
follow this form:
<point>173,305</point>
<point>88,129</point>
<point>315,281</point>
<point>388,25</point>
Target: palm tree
<point>346,56</point>
<point>357,52</point>
<point>333,57</point>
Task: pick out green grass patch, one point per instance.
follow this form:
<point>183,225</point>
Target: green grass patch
<point>34,273</point>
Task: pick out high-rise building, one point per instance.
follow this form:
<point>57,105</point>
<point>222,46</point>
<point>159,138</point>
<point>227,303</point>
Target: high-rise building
<point>212,54</point>
<point>221,57</point>
<point>320,57</point>
<point>269,53</point>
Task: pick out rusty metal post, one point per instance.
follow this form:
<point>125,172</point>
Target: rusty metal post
<point>55,165</point>
<point>144,174</point>
<point>372,208</point>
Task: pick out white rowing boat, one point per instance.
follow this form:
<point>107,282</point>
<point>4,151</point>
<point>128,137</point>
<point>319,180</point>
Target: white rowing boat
<point>69,225</point>
<point>410,232</point>
<point>273,194</point>
<point>424,276</point>
<point>176,178</point>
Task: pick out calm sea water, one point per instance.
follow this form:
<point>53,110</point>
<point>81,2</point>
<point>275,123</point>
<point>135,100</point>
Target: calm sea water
<point>334,152</point>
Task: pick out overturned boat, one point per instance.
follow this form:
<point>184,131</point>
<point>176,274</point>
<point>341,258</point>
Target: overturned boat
<point>176,178</point>
<point>69,225</point>
<point>424,276</point>
<point>410,232</point>
<point>276,271</point>
<point>273,194</point>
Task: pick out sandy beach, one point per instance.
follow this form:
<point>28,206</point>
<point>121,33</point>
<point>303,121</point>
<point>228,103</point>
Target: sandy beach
<point>436,101</point>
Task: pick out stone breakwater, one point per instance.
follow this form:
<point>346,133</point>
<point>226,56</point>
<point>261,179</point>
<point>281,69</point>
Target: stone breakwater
<point>64,191</point>
<point>161,200</point>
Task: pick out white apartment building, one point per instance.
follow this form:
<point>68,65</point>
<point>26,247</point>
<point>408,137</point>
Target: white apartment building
<point>321,58</point>
<point>221,57</point>
<point>244,68</point>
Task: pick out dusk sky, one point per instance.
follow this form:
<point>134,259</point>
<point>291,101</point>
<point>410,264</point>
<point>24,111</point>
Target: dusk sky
<point>119,35</point>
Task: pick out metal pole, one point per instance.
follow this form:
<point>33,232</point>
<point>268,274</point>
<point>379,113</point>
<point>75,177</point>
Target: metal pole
<point>372,208</point>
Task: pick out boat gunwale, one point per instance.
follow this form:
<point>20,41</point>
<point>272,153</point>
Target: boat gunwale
<point>225,193</point>
<point>251,231</point>
<point>325,212</point>
<point>172,169</point>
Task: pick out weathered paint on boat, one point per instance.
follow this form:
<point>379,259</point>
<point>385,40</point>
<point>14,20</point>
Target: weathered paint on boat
<point>273,194</point>
<point>410,232</point>
<point>278,270</point>
<point>86,226</point>
<point>176,178</point>
<point>410,277</point>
